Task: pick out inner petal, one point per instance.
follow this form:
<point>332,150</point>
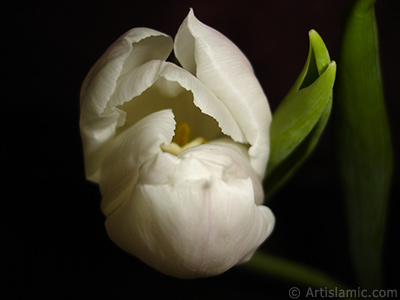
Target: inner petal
<point>166,94</point>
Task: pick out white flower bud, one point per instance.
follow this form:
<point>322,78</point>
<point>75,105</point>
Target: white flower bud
<point>185,200</point>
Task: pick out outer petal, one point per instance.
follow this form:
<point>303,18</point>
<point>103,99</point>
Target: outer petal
<point>223,68</point>
<point>98,124</point>
<point>191,215</point>
<point>191,229</point>
<point>137,145</point>
<point>225,148</point>
<point>221,158</point>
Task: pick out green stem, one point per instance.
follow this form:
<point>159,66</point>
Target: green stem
<point>293,272</point>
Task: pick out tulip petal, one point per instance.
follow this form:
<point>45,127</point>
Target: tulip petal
<point>191,215</point>
<point>134,48</point>
<point>129,152</point>
<point>131,50</point>
<point>221,158</point>
<point>172,81</point>
<point>195,229</point>
<point>232,157</point>
<point>224,69</point>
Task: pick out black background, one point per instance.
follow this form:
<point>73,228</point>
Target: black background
<point>53,228</point>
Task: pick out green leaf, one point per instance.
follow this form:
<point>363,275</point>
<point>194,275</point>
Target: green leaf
<point>301,117</point>
<point>363,142</point>
<point>292,272</point>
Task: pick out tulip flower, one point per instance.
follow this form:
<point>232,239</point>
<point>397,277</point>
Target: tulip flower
<point>179,152</point>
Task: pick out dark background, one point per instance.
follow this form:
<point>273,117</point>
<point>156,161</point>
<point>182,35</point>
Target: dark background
<point>54,230</point>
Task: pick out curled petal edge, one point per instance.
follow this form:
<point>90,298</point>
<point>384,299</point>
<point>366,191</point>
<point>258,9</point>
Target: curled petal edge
<point>224,69</point>
<point>131,50</point>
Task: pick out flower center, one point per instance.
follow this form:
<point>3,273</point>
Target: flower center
<point>181,142</point>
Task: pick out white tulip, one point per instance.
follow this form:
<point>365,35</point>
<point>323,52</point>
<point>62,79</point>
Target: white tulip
<point>179,152</point>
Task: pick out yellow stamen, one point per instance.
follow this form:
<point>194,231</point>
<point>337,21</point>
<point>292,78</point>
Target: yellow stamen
<point>171,148</point>
<point>180,141</point>
<point>182,133</point>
